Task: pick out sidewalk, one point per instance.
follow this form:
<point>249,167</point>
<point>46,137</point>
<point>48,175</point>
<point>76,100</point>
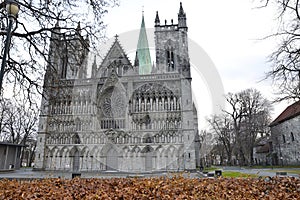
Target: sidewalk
<point>28,173</point>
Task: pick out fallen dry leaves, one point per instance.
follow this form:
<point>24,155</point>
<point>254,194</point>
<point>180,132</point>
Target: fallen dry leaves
<point>176,187</point>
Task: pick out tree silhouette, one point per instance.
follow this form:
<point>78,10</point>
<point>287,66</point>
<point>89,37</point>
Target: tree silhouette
<point>29,50</point>
<point>285,71</point>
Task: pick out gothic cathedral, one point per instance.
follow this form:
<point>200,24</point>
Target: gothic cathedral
<point>124,117</point>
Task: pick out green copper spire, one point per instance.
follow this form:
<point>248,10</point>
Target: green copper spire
<point>143,59</point>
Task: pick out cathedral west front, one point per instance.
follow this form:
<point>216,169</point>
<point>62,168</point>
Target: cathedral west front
<point>128,117</point>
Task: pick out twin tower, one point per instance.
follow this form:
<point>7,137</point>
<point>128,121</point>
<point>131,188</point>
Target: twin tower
<point>171,47</point>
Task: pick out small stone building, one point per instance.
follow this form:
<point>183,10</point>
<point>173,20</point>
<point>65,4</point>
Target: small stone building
<point>10,156</point>
<point>285,136</point>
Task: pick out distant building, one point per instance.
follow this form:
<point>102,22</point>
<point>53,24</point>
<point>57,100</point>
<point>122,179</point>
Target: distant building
<point>10,156</point>
<point>28,152</point>
<point>285,136</point>
<point>125,117</point>
<point>262,152</point>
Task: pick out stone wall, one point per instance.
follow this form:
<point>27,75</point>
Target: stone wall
<point>286,142</point>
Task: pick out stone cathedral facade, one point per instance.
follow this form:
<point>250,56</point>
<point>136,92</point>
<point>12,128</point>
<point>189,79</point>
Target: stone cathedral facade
<point>124,117</point>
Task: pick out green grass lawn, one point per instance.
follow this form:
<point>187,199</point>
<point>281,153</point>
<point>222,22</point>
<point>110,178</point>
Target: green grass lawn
<point>230,174</point>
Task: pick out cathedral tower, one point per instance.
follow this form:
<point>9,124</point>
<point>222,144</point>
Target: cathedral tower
<point>68,54</point>
<point>171,45</point>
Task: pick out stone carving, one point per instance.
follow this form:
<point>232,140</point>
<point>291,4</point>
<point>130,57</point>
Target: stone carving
<point>111,103</point>
<point>119,119</point>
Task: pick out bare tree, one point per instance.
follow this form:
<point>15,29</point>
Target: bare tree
<point>18,125</point>
<point>285,70</point>
<point>206,142</point>
<point>28,55</point>
<point>18,122</point>
<point>5,106</point>
<point>256,118</point>
<point>236,113</point>
<point>248,115</point>
<point>222,126</point>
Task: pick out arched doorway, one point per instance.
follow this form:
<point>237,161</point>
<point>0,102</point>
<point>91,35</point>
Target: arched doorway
<point>76,161</point>
<point>148,151</point>
<point>112,159</point>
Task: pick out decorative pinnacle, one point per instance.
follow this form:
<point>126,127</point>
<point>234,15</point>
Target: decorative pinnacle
<point>157,21</point>
<point>181,12</point>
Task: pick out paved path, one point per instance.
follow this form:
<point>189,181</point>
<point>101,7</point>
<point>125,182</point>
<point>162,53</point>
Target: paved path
<point>28,173</point>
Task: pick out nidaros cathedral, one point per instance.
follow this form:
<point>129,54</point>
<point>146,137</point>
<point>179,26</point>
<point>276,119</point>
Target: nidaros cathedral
<point>124,117</point>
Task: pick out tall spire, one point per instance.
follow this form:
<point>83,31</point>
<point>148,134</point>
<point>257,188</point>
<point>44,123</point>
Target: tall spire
<point>182,18</point>
<point>143,54</point>
<point>157,21</point>
<point>181,12</point>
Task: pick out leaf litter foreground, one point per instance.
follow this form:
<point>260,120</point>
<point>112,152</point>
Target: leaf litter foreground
<point>176,187</point>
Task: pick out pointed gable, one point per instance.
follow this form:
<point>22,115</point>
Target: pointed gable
<point>289,113</point>
<point>115,53</point>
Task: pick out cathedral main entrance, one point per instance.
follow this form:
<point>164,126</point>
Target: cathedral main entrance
<point>112,160</point>
<point>76,163</point>
<point>148,158</point>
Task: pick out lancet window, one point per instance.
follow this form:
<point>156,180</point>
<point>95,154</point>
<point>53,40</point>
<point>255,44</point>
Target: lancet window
<point>170,60</point>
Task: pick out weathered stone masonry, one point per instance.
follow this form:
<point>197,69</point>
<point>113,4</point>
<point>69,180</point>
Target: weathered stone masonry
<point>119,118</point>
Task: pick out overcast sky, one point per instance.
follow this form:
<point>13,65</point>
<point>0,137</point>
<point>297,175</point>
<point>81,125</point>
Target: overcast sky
<point>229,32</point>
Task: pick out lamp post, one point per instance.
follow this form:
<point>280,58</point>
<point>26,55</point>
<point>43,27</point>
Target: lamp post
<point>10,10</point>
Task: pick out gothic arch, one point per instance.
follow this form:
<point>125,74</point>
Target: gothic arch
<point>111,154</point>
<point>171,150</point>
<point>47,151</point>
<point>94,151</point>
<point>85,152</point>
<point>154,106</point>
<point>75,139</point>
<point>107,147</point>
<point>73,150</point>
<point>171,158</point>
<point>64,151</point>
<point>53,151</point>
<point>149,153</point>
<point>75,154</point>
<point>147,149</point>
<point>136,150</point>
<point>148,138</point>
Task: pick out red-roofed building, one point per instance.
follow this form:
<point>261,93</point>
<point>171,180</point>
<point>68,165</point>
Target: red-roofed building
<point>285,136</point>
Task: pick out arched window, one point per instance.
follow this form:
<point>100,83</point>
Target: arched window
<point>64,67</point>
<point>283,138</point>
<point>170,60</point>
<point>292,136</point>
<point>75,139</point>
<point>148,139</point>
